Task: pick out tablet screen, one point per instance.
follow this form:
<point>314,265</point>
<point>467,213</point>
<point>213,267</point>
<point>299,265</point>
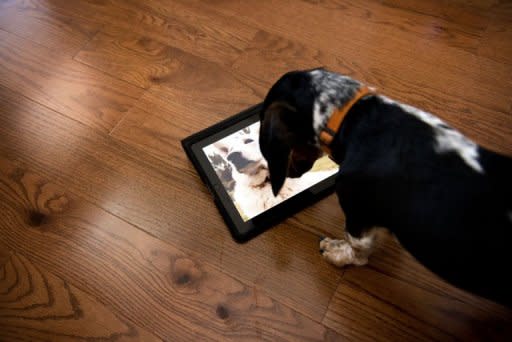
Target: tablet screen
<point>228,160</point>
<point>243,172</point>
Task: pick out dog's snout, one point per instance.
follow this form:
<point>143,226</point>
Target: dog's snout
<point>235,157</point>
<point>238,160</point>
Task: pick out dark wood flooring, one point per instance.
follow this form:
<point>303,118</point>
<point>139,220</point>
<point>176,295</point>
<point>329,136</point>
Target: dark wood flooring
<point>106,231</point>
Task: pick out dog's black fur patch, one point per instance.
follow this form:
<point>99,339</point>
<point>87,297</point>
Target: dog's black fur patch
<point>454,220</point>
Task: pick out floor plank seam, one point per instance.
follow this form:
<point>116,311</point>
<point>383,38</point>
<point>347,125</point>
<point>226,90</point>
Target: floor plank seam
<point>32,41</point>
<point>398,308</point>
<point>125,115</point>
<point>97,129</point>
<point>87,42</point>
<point>329,302</point>
<point>109,74</point>
<point>225,68</point>
<point>436,291</point>
<point>46,107</point>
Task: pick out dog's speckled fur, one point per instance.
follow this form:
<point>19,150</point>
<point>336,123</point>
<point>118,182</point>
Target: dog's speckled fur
<point>333,91</point>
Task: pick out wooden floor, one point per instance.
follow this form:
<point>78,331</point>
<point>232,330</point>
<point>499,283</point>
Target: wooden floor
<point>106,231</point>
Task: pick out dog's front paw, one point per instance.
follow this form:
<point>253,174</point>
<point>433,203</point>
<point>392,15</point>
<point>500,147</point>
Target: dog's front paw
<point>340,253</point>
<point>327,244</point>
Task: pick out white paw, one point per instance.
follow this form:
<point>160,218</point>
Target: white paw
<point>340,253</point>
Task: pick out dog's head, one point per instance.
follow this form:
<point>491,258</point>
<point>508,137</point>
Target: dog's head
<point>287,137</point>
<point>294,111</point>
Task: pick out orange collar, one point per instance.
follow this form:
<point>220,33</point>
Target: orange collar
<point>333,125</point>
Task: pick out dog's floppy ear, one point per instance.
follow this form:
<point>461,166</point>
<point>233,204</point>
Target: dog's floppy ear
<point>275,142</point>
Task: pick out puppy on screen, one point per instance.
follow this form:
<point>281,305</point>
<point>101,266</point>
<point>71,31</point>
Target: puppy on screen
<point>251,189</point>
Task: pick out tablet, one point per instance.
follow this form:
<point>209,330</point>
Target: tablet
<point>228,160</point>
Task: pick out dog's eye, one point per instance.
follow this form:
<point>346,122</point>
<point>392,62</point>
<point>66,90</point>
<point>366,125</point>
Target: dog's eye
<point>248,141</point>
<point>224,149</point>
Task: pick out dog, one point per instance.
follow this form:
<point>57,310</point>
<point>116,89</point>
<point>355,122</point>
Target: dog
<point>446,199</point>
<point>250,186</point>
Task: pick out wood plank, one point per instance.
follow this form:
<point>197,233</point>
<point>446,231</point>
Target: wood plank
<point>131,246</point>
<point>201,93</point>
<point>391,260</point>
<point>196,30</point>
<point>496,40</point>
<point>58,82</point>
<point>419,61</point>
<point>357,316</point>
<point>164,200</point>
<point>484,118</point>
<point>462,30</point>
<point>136,59</point>
<point>144,61</point>
<point>182,84</point>
<point>39,23</point>
<point>216,38</point>
<point>160,133</point>
<point>153,284</point>
<point>469,15</point>
<point>479,4</point>
<point>369,305</point>
<point>346,25</point>
<point>36,305</point>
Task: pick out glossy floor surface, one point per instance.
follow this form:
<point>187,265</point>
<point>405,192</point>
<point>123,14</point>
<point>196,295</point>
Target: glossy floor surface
<point>106,231</point>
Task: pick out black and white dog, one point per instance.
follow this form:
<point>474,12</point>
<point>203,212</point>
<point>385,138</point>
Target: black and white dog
<point>446,199</point>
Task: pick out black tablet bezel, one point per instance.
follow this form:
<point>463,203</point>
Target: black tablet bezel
<point>243,231</point>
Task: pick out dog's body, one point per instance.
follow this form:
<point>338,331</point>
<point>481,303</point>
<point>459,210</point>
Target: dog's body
<point>446,199</point>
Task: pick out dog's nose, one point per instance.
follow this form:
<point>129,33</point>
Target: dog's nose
<point>235,157</point>
<point>238,160</point>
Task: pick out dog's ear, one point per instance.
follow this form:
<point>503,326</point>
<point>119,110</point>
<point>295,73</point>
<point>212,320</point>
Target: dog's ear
<point>276,141</point>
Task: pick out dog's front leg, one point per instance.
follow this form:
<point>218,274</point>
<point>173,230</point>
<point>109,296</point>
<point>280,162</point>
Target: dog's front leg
<point>350,251</point>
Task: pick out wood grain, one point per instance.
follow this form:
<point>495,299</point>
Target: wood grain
<point>43,25</point>
<point>182,84</point>
<point>464,15</point>
<point>197,30</point>
<point>144,275</point>
<point>215,37</point>
<point>124,243</point>
<point>419,61</point>
<point>461,31</point>
<point>366,24</point>
<point>495,43</point>
<point>136,59</point>
<point>356,315</point>
<point>58,82</point>
<point>35,305</point>
<point>164,199</point>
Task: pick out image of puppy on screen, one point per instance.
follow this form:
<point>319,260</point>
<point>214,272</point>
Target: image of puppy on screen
<point>243,171</point>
